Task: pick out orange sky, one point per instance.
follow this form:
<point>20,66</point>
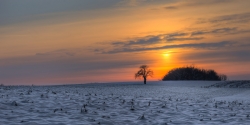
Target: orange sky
<point>52,42</point>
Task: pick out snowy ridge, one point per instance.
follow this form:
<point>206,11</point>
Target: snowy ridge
<point>232,84</point>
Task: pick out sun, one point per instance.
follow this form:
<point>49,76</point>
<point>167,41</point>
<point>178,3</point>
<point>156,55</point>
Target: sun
<point>166,54</point>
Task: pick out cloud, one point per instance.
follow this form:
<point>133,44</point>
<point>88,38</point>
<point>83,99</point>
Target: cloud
<point>176,36</point>
<point>185,39</point>
<point>220,31</point>
<point>220,56</point>
<point>238,18</point>
<point>57,52</point>
<point>232,18</point>
<point>152,40</point>
<point>226,30</point>
<point>25,10</point>
<point>133,3</point>
<point>130,2</point>
<point>171,7</point>
<point>181,36</point>
<point>142,41</point>
<point>215,45</point>
<point>194,3</point>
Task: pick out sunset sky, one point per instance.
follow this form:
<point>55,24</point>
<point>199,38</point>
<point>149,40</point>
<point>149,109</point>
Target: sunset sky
<point>83,41</point>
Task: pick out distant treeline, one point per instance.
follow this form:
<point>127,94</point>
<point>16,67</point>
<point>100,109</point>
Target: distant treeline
<point>193,73</point>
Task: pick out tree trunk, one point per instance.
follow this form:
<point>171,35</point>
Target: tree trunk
<point>145,80</point>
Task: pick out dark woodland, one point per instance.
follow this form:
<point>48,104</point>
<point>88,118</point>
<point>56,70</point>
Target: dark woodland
<point>193,73</point>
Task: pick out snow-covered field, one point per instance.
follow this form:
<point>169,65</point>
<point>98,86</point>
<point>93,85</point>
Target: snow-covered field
<point>166,103</point>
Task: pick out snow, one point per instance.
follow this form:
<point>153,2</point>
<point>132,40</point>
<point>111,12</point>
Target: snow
<point>232,84</point>
<point>170,102</point>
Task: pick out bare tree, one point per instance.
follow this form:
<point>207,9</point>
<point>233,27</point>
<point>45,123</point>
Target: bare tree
<point>144,72</point>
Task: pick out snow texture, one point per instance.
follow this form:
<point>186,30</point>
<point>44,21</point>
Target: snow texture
<point>156,103</point>
<point>232,84</point>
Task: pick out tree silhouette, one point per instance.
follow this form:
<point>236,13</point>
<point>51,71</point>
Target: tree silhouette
<point>144,72</point>
<point>193,73</point>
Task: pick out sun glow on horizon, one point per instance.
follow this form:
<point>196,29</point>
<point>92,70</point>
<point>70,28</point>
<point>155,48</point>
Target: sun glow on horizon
<point>166,54</point>
<point>85,41</point>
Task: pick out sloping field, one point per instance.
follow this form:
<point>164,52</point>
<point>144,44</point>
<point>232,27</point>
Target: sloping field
<point>182,102</point>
